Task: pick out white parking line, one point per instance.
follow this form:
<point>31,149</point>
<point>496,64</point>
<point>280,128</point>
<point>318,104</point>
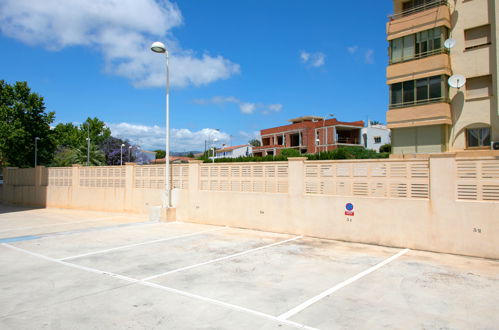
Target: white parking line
<point>221,259</point>
<point>335,288</point>
<point>142,243</point>
<point>171,290</point>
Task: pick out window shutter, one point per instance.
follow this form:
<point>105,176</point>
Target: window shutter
<point>477,36</point>
<point>479,87</point>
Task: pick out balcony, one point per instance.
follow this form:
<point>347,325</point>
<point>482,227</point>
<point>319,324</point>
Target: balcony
<point>416,19</point>
<point>438,64</point>
<point>435,113</point>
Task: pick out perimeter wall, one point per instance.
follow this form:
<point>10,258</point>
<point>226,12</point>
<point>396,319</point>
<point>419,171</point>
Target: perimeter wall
<point>441,203</point>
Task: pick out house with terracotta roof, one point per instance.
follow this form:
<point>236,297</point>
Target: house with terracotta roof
<point>309,134</point>
<point>173,159</point>
<point>242,150</point>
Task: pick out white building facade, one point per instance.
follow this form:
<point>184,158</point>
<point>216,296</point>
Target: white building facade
<point>244,150</point>
<point>374,136</point>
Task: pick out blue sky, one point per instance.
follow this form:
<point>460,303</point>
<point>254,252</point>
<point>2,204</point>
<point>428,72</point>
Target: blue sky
<point>237,66</point>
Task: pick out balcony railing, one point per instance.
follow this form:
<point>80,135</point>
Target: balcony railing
<point>417,9</point>
<point>347,140</point>
<point>418,102</point>
<point>420,55</point>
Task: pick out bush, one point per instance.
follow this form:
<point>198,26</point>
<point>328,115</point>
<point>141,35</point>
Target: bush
<point>339,153</point>
<point>386,148</point>
<point>290,153</point>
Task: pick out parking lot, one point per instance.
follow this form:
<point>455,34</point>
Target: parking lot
<point>66,269</point>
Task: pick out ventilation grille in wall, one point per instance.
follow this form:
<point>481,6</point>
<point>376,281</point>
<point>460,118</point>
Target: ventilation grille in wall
<point>102,176</point>
<point>477,180</point>
<point>153,176</point>
<point>395,179</point>
<point>60,176</point>
<point>269,178</point>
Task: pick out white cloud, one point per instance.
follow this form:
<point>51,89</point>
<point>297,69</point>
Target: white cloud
<point>153,137</point>
<point>247,108</point>
<point>121,30</point>
<point>315,60</point>
<point>244,107</point>
<point>369,56</point>
<point>275,107</point>
<point>352,49</point>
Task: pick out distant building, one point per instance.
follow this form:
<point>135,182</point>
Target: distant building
<point>309,134</point>
<point>374,136</point>
<point>173,160</point>
<point>235,151</point>
<point>430,41</point>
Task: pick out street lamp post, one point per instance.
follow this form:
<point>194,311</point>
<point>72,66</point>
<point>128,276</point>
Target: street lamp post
<point>88,144</point>
<point>325,130</point>
<point>159,47</point>
<point>36,150</point>
<point>213,148</point>
<point>129,153</point>
<point>121,154</point>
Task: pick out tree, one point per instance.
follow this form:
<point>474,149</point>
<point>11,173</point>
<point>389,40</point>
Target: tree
<point>375,122</point>
<point>68,157</point>
<point>160,154</point>
<point>385,148</point>
<point>97,130</point>
<point>69,136</point>
<point>112,150</point>
<point>255,143</point>
<point>23,117</point>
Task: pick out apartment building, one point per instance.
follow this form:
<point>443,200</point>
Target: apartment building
<point>425,114</point>
<point>309,134</point>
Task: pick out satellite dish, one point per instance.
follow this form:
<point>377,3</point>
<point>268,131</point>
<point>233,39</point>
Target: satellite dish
<point>449,43</point>
<point>456,81</point>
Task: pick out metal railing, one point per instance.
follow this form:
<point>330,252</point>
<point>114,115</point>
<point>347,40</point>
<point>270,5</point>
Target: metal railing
<point>347,140</point>
<point>418,102</point>
<point>417,9</point>
<point>432,52</point>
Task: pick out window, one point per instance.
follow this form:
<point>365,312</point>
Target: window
<point>479,87</point>
<point>413,6</point>
<point>377,139</point>
<point>476,37</point>
<point>422,44</point>
<point>419,91</point>
<point>478,137</point>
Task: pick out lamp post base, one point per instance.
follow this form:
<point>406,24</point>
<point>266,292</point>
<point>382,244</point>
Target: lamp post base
<point>168,214</point>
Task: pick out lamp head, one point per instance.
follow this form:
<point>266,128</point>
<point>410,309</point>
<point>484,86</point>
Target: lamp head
<point>158,47</point>
<point>122,144</point>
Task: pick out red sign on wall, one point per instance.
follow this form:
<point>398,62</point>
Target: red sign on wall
<point>349,209</point>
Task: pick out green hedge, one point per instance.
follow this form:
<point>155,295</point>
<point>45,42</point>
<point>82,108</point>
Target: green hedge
<point>339,153</point>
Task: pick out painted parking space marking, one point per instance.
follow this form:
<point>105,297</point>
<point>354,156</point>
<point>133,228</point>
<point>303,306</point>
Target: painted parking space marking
<point>339,286</point>
<point>142,243</point>
<point>164,288</point>
<point>57,224</point>
<point>18,239</point>
<point>221,258</point>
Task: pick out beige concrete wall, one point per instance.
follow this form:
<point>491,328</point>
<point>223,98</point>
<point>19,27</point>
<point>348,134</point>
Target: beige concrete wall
<point>439,203</point>
<point>440,223</point>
